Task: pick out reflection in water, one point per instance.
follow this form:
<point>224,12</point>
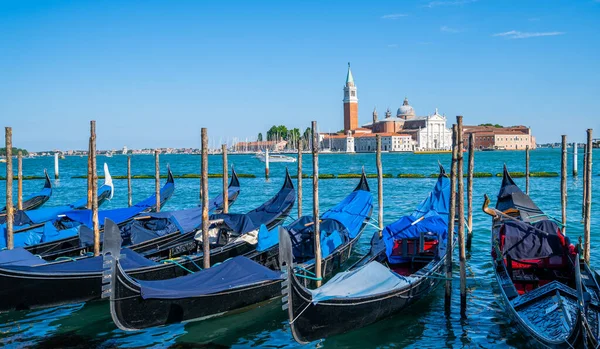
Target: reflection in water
<point>25,328</point>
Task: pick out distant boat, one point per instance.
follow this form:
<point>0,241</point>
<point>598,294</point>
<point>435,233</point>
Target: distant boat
<point>440,151</point>
<point>275,158</point>
<point>2,160</point>
<point>109,155</point>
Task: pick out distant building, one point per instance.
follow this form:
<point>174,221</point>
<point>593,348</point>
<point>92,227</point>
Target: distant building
<point>500,138</point>
<point>259,146</point>
<point>367,142</point>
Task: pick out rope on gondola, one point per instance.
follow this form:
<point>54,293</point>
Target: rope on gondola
<point>65,258</point>
<point>177,264</point>
<point>304,270</point>
<point>191,260</point>
<point>308,277</point>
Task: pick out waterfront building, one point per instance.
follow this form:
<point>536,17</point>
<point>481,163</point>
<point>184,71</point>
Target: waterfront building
<point>500,138</point>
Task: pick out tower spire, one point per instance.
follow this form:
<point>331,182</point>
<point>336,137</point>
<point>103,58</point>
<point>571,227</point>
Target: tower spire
<point>349,77</point>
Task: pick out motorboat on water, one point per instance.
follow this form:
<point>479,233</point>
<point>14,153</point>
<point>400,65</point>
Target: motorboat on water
<point>275,157</point>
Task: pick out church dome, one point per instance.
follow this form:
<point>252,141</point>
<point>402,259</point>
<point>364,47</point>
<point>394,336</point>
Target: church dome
<point>405,110</point>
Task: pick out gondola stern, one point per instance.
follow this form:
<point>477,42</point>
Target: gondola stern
<point>288,180</point>
<point>108,181</point>
<point>170,175</point>
<point>47,183</point>
<point>442,170</point>
<point>506,178</point>
<point>235,181</point>
<point>363,184</point>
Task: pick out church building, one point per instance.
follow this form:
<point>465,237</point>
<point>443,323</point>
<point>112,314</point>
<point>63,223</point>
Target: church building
<point>403,132</point>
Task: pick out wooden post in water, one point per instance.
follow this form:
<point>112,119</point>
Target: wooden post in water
<point>588,197</point>
<point>461,217</point>
<point>9,186</point>
<point>267,163</point>
<point>55,165</point>
<point>563,183</point>
<point>575,159</point>
<point>225,179</point>
<point>471,167</point>
<point>157,179</point>
<point>299,179</point>
<point>451,216</point>
<point>379,183</point>
<point>584,181</point>
<point>204,191</point>
<point>315,158</point>
<point>96,226</point>
<point>20,181</point>
<point>129,192</point>
<point>89,174</point>
<point>527,169</point>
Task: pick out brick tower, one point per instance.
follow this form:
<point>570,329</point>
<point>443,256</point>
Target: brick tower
<point>350,104</point>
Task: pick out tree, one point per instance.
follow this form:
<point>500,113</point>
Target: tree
<point>259,138</point>
<point>15,151</point>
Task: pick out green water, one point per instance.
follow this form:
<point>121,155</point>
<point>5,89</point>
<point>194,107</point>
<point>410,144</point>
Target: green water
<point>422,326</point>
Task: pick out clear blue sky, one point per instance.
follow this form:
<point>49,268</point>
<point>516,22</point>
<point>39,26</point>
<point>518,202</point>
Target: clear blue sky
<point>152,73</point>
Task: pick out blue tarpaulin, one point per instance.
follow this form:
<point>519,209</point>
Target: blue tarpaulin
<point>368,280</point>
<point>25,261</point>
<point>49,215</point>
<point>339,224</point>
<point>231,274</point>
<point>431,216</point>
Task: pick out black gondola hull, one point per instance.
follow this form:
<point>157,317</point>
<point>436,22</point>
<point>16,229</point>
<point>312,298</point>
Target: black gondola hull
<point>135,312</point>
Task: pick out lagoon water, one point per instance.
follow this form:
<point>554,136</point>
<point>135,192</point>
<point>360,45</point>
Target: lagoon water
<point>423,325</point>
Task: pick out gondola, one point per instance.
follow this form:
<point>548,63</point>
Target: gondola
<point>29,226</point>
<point>30,282</point>
<point>235,284</point>
<point>546,289</point>
<point>62,237</point>
<point>403,266</point>
<point>35,200</point>
<point>145,228</point>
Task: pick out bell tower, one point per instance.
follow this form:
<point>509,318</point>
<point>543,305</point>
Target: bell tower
<point>350,103</point>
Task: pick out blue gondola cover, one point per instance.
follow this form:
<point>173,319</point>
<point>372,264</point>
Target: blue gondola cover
<point>430,218</point>
<point>231,274</point>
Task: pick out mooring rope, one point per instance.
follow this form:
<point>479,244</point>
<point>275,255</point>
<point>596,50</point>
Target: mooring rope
<point>177,264</point>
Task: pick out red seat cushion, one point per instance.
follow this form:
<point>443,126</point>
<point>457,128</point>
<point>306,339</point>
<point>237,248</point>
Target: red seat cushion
<point>413,247</point>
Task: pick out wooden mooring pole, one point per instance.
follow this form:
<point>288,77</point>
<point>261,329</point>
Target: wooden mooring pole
<point>225,179</point>
<point>315,159</point>
<point>204,191</point>
<point>157,179</point>
<point>588,197</point>
<point>527,169</point>
<point>96,226</point>
<point>299,179</point>
<point>451,217</point>
<point>267,163</point>
<point>584,182</point>
<point>20,180</point>
<point>379,184</point>
<point>575,159</point>
<point>563,183</point>
<point>461,217</point>
<point>89,174</point>
<point>9,186</point>
<point>470,169</point>
<point>129,192</point>
<point>56,166</point>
